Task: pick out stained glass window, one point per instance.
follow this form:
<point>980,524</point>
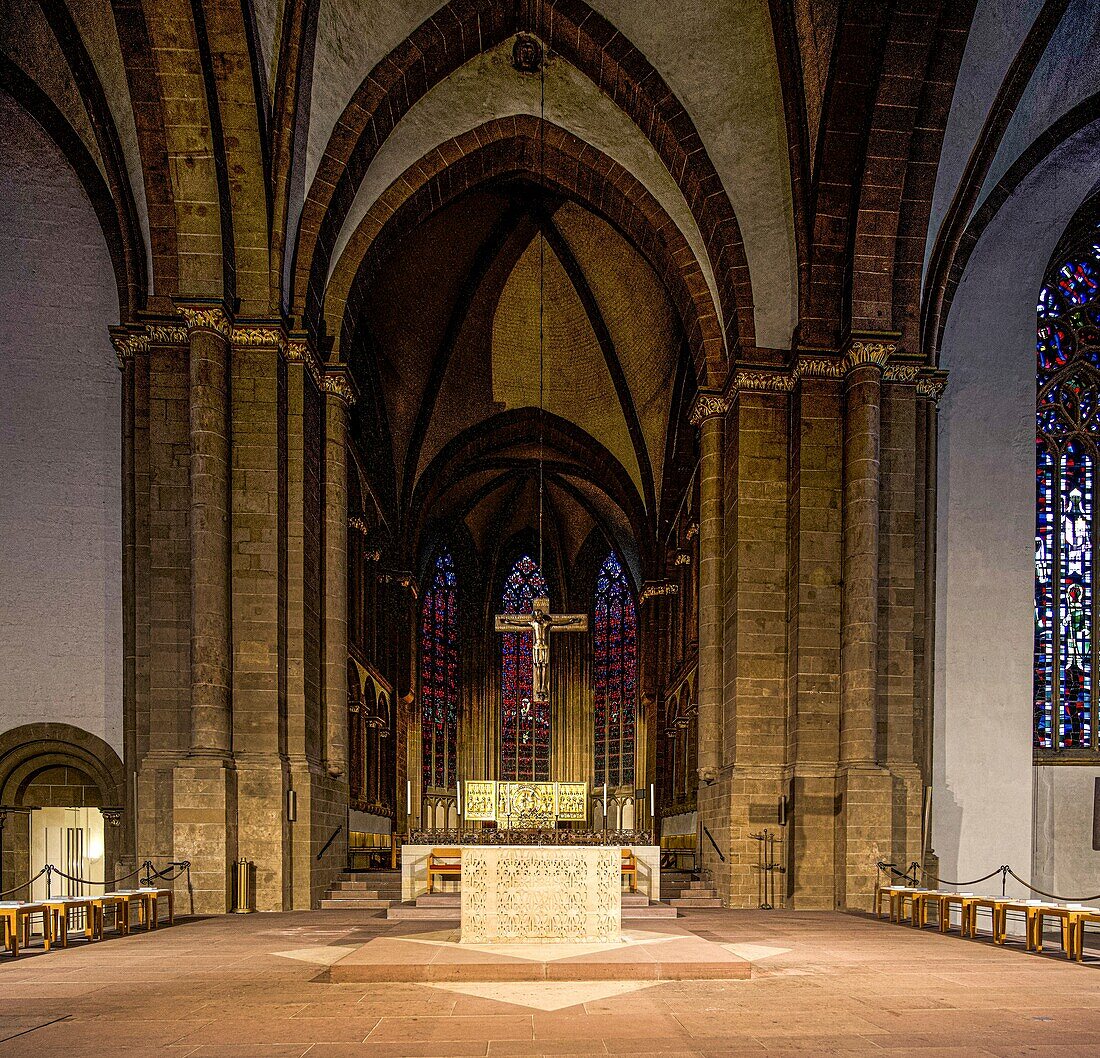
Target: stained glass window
<point>439,678</point>
<point>1068,420</point>
<point>615,666</point>
<point>524,725</point>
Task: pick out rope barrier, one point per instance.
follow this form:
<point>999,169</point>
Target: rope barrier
<point>1063,899</point>
<point>175,869</point>
<point>1004,871</point>
<point>7,892</point>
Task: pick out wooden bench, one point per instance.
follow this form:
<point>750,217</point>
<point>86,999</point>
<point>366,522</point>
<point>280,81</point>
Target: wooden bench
<point>630,869</point>
<point>367,849</point>
<point>16,919</point>
<point>675,847</point>
<point>1083,917</point>
<point>62,907</point>
<point>444,864</point>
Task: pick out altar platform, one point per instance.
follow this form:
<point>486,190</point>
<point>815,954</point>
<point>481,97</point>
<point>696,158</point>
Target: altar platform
<point>663,951</point>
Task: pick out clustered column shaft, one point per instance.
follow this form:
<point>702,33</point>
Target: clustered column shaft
<point>210,638</point>
<point>859,629</point>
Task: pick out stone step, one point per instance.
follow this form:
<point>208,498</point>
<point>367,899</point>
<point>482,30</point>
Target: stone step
<point>354,904</point>
<point>439,900</point>
<point>450,912</point>
<point>702,901</point>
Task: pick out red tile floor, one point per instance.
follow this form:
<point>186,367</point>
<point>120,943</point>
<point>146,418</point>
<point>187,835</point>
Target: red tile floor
<point>822,984</point>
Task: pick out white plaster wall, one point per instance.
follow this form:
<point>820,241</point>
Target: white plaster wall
<point>983,773</point>
<point>997,30</point>
<point>1068,72</point>
<point>1066,864</point>
<point>60,475</point>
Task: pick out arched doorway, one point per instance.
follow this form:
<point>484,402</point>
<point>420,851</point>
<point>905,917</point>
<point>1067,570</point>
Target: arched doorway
<point>62,793</point>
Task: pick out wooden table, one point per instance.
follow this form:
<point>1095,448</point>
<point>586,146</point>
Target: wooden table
<point>150,899</point>
<point>896,895</point>
<point>1068,914</point>
<point>120,903</point>
<point>60,909</point>
<point>947,901</point>
<point>1091,915</point>
<point>971,908</point>
<point>1030,909</point>
<point>15,916</point>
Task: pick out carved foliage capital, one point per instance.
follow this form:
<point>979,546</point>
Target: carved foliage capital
<point>206,318</point>
<point>128,344</point>
<point>707,406</point>
<point>337,382</point>
<point>656,589</point>
<point>863,352</point>
<point>762,382</point>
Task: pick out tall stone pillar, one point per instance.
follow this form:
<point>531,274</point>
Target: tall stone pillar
<point>339,395</point>
<point>204,783</point>
<point>164,617</point>
<point>259,686</point>
<point>302,697</point>
<point>125,348</point>
<point>866,788</point>
<point>708,415</point>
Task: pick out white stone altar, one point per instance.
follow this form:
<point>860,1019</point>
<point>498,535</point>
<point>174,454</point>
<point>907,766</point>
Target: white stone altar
<point>518,893</point>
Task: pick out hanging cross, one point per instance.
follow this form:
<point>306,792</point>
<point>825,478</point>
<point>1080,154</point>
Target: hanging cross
<point>540,622</point>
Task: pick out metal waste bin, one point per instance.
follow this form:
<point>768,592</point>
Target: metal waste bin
<point>244,894</point>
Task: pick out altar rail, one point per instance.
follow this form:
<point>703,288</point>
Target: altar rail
<point>516,836</point>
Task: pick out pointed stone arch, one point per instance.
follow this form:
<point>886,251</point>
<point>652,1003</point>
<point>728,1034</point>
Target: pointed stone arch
<point>454,35</point>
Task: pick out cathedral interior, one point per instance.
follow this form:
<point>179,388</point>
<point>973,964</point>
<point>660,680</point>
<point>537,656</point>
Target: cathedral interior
<point>760,340</point>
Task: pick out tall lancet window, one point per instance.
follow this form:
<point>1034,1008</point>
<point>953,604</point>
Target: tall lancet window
<point>615,665</point>
<point>439,678</point>
<point>524,725</point>
<point>1068,414</point>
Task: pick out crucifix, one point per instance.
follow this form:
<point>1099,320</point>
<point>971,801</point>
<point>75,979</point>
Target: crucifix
<point>540,622</point>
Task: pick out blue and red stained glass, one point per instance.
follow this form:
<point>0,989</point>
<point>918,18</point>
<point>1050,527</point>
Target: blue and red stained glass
<point>1068,423</point>
<point>615,664</point>
<point>1075,602</point>
<point>439,678</point>
<point>524,725</point>
<point>1044,597</point>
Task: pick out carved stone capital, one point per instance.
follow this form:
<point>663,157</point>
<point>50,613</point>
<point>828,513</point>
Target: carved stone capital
<point>167,334</point>
<point>904,373</point>
<point>112,816</point>
<point>211,318</point>
<point>862,352</point>
<point>337,382</point>
<point>819,367</point>
<point>655,589</point>
<point>708,776</point>
<point>128,343</point>
<point>259,336</point>
<point>299,351</point>
<point>707,406</point>
<point>762,381</point>
<point>932,385</point>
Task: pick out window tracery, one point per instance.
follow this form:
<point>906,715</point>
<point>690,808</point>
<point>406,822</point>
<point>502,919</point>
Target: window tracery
<point>524,724</point>
<point>615,675</point>
<point>439,678</point>
<point>1068,428</point>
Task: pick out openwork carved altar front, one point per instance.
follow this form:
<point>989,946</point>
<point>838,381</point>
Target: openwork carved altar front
<point>519,893</point>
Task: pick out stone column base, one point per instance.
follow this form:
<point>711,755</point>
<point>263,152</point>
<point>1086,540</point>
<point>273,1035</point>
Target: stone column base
<point>322,807</point>
<point>263,829</point>
<point>204,792</point>
<point>866,832</point>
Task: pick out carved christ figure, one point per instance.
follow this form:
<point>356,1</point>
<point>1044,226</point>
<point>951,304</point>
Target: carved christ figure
<point>540,622</point>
